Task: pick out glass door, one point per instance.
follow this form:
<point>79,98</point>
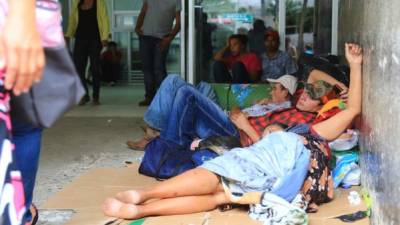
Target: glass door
<point>299,30</point>
<point>125,13</point>
<point>215,21</point>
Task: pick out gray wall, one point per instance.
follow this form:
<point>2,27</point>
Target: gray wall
<point>376,25</point>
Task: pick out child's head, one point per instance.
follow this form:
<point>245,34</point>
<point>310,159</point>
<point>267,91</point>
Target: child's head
<point>273,128</point>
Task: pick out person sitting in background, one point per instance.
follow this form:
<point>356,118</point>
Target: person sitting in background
<point>233,64</point>
<point>110,63</point>
<point>275,62</point>
<point>225,179</point>
<point>291,49</point>
<point>256,37</point>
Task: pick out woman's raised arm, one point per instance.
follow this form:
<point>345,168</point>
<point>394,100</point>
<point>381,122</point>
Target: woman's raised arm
<point>334,126</point>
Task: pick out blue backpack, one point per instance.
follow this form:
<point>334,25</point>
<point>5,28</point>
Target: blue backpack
<point>164,159</point>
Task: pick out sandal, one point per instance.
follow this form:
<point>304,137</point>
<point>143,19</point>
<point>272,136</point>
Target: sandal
<point>34,213</point>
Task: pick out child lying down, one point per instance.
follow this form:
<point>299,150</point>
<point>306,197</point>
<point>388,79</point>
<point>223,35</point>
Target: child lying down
<point>280,163</point>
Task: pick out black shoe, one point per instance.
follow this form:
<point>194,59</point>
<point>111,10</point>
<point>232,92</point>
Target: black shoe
<point>145,102</point>
<point>84,100</point>
<point>96,101</point>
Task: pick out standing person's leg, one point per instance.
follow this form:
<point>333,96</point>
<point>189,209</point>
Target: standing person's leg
<point>194,115</point>
<point>115,72</point>
<point>240,74</point>
<point>95,49</point>
<point>146,46</point>
<point>27,140</point>
<point>160,69</point>
<point>106,70</point>
<point>221,73</point>
<point>81,53</point>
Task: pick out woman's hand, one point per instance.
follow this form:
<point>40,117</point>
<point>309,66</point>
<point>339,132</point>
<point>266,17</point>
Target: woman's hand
<point>138,31</point>
<point>21,52</point>
<point>344,93</point>
<point>353,54</point>
<point>165,42</point>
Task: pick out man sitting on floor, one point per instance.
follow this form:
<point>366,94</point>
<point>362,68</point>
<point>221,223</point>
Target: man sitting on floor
<point>234,64</point>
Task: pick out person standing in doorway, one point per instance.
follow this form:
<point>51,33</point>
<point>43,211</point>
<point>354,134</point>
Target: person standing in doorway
<point>89,25</point>
<point>156,32</point>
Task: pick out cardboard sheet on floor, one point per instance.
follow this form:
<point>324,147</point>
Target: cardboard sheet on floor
<point>86,194</point>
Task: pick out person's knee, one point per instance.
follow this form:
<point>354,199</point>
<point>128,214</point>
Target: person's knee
<point>183,92</point>
<point>172,79</point>
<point>239,73</point>
<point>218,65</point>
<point>238,66</point>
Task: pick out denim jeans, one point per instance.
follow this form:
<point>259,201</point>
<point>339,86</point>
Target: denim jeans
<point>27,140</point>
<point>194,115</point>
<point>158,112</point>
<point>222,74</point>
<point>82,50</point>
<point>153,61</point>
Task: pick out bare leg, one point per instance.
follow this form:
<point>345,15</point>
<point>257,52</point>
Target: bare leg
<point>195,182</point>
<point>170,206</point>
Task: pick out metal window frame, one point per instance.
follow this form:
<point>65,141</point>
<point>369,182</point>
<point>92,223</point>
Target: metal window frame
<point>335,27</point>
<point>282,23</point>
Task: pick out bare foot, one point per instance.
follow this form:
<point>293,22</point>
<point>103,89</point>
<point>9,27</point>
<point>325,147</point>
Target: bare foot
<point>115,208</point>
<point>130,197</point>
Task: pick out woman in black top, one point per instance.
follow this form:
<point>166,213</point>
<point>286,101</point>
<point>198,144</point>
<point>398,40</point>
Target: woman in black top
<point>89,26</point>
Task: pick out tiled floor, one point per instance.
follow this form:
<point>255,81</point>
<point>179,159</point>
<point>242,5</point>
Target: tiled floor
<point>88,136</point>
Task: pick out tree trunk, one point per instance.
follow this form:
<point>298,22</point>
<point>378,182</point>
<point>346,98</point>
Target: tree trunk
<point>300,43</point>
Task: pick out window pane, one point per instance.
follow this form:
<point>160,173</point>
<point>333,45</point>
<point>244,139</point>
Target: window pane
<point>174,56</point>
<point>125,21</point>
<point>294,35</point>
<point>121,38</point>
<point>136,63</point>
<point>217,20</point>
<point>124,5</point>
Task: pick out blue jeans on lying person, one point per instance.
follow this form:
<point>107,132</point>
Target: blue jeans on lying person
<point>158,111</point>
<point>194,115</point>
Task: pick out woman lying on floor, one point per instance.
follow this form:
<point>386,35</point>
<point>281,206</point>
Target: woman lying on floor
<point>261,167</point>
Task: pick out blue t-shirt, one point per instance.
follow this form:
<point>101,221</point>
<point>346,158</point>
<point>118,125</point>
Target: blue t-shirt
<point>280,65</point>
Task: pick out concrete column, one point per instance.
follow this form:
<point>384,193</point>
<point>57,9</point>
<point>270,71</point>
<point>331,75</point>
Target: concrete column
<point>375,24</point>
